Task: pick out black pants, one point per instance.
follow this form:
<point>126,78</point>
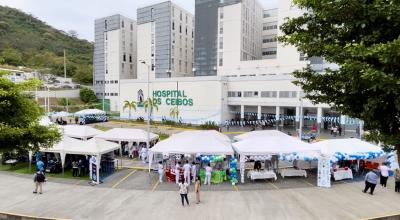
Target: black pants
<point>184,196</point>
<point>74,171</point>
<point>369,185</point>
<point>397,187</point>
<point>384,180</point>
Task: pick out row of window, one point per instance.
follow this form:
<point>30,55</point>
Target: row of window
<point>106,82</point>
<point>269,39</point>
<point>270,26</point>
<point>264,94</point>
<point>111,94</point>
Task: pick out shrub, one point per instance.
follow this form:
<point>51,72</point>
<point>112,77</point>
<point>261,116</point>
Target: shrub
<point>208,125</point>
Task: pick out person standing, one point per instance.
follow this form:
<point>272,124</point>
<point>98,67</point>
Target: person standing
<point>397,180</point>
<point>208,175</point>
<point>194,171</point>
<point>186,172</point>
<point>39,178</point>
<point>160,171</point>
<point>81,167</point>
<point>143,154</point>
<point>384,174</point>
<point>197,185</point>
<point>371,179</point>
<point>177,172</point>
<point>74,168</point>
<point>183,191</point>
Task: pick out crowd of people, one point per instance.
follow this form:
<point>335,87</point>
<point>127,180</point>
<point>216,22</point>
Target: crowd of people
<point>381,174</point>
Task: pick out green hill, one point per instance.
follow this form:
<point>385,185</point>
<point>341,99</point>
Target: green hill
<point>27,41</point>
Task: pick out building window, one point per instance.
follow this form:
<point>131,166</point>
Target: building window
<point>122,24</point>
<point>268,94</point>
<point>124,58</point>
<point>269,39</point>
<point>151,13</point>
<point>180,16</point>
<point>173,25</point>
<point>221,13</point>
<point>180,28</point>
<point>270,26</point>
<point>105,24</point>
<point>287,94</point>
<point>271,51</point>
<point>303,57</point>
<point>186,30</point>
<point>131,27</point>
<point>221,43</point>
<point>234,94</point>
<point>250,94</point>
<point>180,66</point>
<point>221,63</point>
<point>130,58</point>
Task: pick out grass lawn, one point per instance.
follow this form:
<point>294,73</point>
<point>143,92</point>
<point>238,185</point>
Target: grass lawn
<point>23,168</point>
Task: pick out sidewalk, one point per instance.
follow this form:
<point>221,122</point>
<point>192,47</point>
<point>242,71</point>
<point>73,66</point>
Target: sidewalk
<point>344,201</point>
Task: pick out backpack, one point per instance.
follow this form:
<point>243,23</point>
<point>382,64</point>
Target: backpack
<point>40,177</point>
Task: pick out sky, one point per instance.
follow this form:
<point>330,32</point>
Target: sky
<point>79,15</point>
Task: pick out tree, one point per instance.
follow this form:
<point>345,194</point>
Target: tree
<point>11,57</point>
<point>174,112</point>
<point>87,95</point>
<point>73,33</point>
<point>130,105</point>
<point>84,74</point>
<point>362,37</point>
<point>62,102</point>
<point>150,104</point>
<point>19,116</point>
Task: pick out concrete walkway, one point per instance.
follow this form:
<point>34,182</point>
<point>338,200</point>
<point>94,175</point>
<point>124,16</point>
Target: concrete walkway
<point>343,201</point>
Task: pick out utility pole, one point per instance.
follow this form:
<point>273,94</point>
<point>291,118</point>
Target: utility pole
<point>65,78</point>
<point>301,118</point>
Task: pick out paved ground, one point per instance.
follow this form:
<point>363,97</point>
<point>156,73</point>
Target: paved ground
<point>342,201</point>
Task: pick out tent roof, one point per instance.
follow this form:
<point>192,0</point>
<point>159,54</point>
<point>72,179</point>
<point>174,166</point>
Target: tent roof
<point>347,146</point>
<point>195,142</point>
<point>126,134</point>
<point>90,112</point>
<point>93,146</point>
<point>80,131</point>
<point>261,133</point>
<point>45,121</point>
<point>61,114</point>
<point>273,145</point>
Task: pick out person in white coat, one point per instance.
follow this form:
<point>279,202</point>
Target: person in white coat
<point>208,175</point>
<point>160,171</point>
<point>177,172</point>
<point>186,172</point>
<point>194,171</point>
<point>143,154</point>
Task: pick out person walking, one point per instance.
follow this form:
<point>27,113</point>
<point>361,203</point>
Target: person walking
<point>183,191</point>
<point>81,168</point>
<point>194,171</point>
<point>186,172</point>
<point>160,171</point>
<point>207,180</point>
<point>371,179</point>
<point>39,178</point>
<point>197,185</point>
<point>384,174</point>
<point>75,168</point>
<point>397,180</point>
<point>177,172</point>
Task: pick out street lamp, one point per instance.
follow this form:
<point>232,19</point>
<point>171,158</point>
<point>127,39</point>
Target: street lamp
<point>148,99</point>
<point>301,116</point>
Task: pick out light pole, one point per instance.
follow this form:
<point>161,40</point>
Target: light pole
<point>301,117</point>
<point>149,100</point>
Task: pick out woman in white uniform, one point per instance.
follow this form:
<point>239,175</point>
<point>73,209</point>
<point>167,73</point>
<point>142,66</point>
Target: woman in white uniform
<point>143,154</point>
<point>177,170</point>
<point>160,171</point>
<point>186,172</point>
<point>208,175</point>
<point>194,171</point>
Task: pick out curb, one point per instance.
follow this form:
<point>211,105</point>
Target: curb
<point>16,216</point>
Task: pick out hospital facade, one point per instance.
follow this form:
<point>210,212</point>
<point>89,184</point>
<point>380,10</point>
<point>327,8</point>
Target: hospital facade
<point>222,64</point>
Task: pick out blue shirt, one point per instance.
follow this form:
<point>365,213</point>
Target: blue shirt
<point>40,165</point>
<point>371,177</point>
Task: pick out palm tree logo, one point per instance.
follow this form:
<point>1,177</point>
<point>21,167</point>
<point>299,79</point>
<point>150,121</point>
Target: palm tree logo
<point>129,105</point>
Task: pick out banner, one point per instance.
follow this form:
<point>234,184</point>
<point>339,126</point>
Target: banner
<point>324,171</point>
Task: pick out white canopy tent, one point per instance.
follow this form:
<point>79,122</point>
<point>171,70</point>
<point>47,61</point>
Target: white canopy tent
<point>45,121</point>
<point>80,131</point>
<point>281,145</point>
<point>260,133</point>
<point>94,147</point>
<point>193,142</point>
<point>89,112</point>
<point>129,135</point>
<point>349,149</point>
<point>60,114</point>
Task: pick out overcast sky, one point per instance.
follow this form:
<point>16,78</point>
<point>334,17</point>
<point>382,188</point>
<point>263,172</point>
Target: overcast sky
<point>79,15</point>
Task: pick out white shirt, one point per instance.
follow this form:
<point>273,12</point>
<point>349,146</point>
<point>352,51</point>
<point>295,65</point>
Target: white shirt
<point>186,168</point>
<point>177,168</point>
<point>160,168</point>
<point>183,188</point>
<point>208,170</point>
<point>384,171</point>
<point>194,168</point>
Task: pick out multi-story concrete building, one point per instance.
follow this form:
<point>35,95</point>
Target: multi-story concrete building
<point>269,33</point>
<point>165,40</point>
<point>114,57</point>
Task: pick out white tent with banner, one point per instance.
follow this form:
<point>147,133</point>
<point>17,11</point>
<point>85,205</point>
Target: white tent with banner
<point>193,143</point>
<point>80,131</point>
<point>349,149</point>
<point>91,114</point>
<point>94,147</point>
<point>260,133</point>
<point>129,135</point>
<point>283,146</point>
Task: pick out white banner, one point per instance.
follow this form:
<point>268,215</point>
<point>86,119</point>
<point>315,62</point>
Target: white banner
<point>324,171</point>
